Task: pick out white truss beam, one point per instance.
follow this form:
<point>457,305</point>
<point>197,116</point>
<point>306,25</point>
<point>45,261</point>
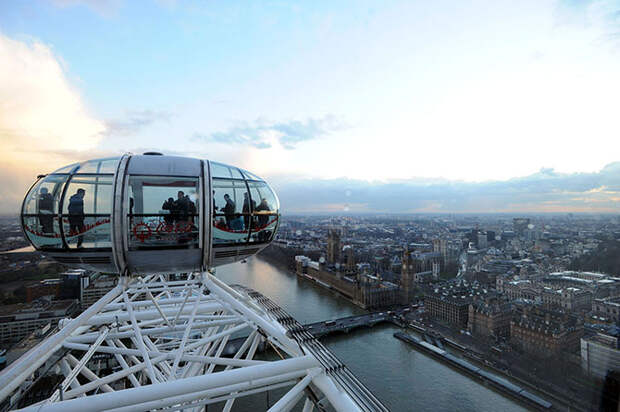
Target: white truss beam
<point>154,344</point>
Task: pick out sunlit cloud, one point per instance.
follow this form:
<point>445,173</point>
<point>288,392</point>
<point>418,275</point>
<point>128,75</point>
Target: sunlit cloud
<point>41,114</point>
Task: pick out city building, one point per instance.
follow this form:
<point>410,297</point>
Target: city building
<point>97,288</point>
<point>520,289</point>
<point>570,299</point>
<point>46,287</point>
<point>19,320</point>
<point>600,284</point>
<point>607,309</point>
<point>440,246</point>
<point>68,285</point>
<point>482,240</point>
<point>450,303</point>
<point>600,353</point>
<point>366,290</point>
<point>421,267</point>
<point>489,319</point>
<point>545,333</point>
<point>374,293</point>
<point>520,225</point>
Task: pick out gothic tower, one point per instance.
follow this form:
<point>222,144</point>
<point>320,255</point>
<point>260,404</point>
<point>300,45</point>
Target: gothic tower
<point>333,246</point>
<point>406,277</point>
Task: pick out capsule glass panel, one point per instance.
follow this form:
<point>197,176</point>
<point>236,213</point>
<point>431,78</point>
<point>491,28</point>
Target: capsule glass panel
<point>66,169</point>
<point>222,170</point>
<point>265,215</point>
<point>40,212</point>
<point>86,211</point>
<point>250,176</point>
<point>162,212</point>
<point>99,166</point>
<point>232,211</point>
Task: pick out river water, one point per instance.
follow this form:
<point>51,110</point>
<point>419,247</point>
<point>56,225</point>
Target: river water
<point>404,379</point>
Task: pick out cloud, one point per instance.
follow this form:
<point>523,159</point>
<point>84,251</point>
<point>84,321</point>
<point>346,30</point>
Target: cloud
<point>134,121</point>
<point>601,15</point>
<point>263,134</point>
<point>544,191</point>
<point>40,111</point>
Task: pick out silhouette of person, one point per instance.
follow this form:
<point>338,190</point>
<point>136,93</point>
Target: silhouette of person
<point>229,210</point>
<point>263,219</point>
<point>247,210</point>
<point>46,210</point>
<point>263,206</point>
<point>181,207</point>
<point>170,207</point>
<point>191,209</point>
<point>76,215</point>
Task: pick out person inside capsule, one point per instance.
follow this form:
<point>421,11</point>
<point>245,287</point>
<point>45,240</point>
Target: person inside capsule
<point>46,211</point>
<point>76,215</point>
<point>229,212</point>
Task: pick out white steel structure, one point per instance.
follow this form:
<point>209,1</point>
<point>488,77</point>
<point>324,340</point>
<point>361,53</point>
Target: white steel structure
<point>169,341</point>
<point>166,343</point>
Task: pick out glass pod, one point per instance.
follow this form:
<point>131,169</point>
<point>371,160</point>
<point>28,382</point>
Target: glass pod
<point>150,213</point>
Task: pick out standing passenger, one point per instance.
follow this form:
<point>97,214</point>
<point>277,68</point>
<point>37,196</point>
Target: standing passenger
<point>76,215</point>
<point>263,207</point>
<point>169,206</point>
<point>263,219</point>
<point>191,209</point>
<point>247,210</point>
<point>46,211</point>
<point>229,210</point>
<point>181,207</point>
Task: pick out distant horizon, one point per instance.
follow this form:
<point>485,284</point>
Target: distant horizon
<point>363,214</point>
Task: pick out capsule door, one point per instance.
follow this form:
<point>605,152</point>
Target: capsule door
<point>162,222</point>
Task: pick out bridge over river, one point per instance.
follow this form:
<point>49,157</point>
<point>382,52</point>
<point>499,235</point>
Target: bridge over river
<point>349,323</point>
<point>346,324</point>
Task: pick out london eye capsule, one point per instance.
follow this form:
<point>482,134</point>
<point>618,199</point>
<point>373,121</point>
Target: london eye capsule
<point>149,213</point>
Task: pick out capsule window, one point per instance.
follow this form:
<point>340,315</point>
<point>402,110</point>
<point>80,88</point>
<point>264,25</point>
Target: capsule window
<point>224,171</point>
<point>86,211</point>
<point>232,211</point>
<point>265,214</point>
<point>40,212</point>
<point>162,212</point>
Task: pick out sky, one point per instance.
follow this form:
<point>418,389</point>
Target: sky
<point>347,106</point>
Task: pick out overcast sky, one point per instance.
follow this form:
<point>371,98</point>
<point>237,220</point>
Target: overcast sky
<point>444,106</point>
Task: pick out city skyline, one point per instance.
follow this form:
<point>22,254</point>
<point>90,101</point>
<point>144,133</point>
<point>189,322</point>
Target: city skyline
<point>398,108</point>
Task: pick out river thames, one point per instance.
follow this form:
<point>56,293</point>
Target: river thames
<point>404,379</point>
